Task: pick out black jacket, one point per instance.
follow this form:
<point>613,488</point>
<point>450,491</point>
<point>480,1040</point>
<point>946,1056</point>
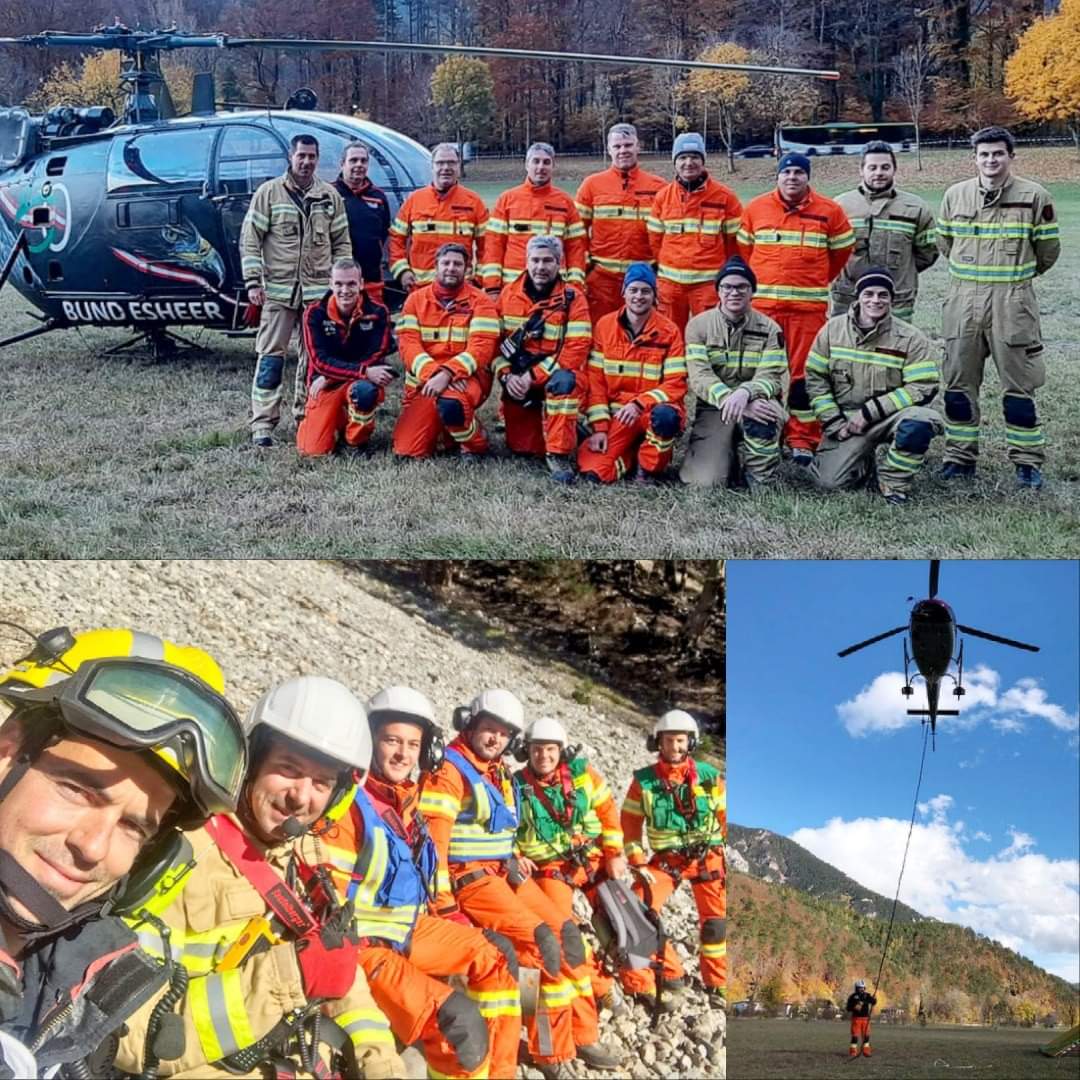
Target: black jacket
<point>860,1003</point>
<point>369,225</point>
<point>339,352</point>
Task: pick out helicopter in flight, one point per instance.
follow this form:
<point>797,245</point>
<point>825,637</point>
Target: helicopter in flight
<point>931,632</point>
<point>134,220</point>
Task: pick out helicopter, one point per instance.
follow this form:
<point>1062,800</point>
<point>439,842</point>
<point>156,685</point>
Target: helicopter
<point>932,635</point>
<point>134,220</point>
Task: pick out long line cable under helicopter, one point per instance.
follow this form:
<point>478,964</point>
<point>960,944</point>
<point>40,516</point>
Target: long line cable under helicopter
<point>903,863</point>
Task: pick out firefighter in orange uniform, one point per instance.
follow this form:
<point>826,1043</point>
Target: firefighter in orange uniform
<point>471,811</point>
<point>541,363</point>
<point>534,208</point>
<point>683,805</point>
<point>692,227</point>
<point>796,242</point>
<point>384,861</point>
<point>614,205</point>
<point>637,383</point>
<point>447,335</point>
<point>443,212</point>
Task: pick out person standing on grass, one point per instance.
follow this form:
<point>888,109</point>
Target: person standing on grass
<point>999,232</point>
<point>368,212</point>
<point>860,1004</point>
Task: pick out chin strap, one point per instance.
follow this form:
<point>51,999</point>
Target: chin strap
<point>50,916</point>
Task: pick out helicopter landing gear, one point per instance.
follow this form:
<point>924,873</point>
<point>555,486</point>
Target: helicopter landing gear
<point>959,690</point>
<point>158,345</point>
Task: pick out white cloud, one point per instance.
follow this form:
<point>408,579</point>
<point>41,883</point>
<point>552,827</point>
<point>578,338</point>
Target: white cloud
<point>980,835</point>
<point>1023,899</point>
<point>881,707</point>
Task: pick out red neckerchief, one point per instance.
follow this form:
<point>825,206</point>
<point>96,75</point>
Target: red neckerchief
<point>665,773</point>
<point>447,298</point>
<point>566,818</point>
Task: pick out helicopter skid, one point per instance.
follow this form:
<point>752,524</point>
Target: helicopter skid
<point>159,344</point>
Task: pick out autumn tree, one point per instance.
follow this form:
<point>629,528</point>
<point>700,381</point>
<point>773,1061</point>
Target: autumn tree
<point>1042,76</point>
<point>463,89</point>
<point>95,80</point>
<point>723,91</point>
<point>912,68</point>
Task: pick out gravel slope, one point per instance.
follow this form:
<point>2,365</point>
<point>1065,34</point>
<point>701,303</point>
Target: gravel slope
<point>268,620</point>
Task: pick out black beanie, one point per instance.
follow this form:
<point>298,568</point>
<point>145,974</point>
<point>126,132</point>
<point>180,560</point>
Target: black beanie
<point>736,265</point>
<point>875,277</point>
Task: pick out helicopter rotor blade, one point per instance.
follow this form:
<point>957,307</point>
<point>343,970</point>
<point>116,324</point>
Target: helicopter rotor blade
<point>870,641</point>
<point>994,637</point>
<point>935,570</point>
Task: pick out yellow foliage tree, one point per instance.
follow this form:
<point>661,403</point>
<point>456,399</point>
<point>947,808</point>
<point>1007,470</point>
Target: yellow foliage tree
<point>465,92</point>
<point>1042,76</point>
<point>723,91</point>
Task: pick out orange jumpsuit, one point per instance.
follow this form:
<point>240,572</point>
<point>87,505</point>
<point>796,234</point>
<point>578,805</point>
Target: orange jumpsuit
<point>427,220</point>
<point>526,211</point>
<point>674,862</point>
<point>546,421</point>
<point>692,234</point>
<point>481,889</point>
<point>648,368</point>
<point>405,981</point>
<point>614,205</point>
<point>458,332</point>
<point>796,252</point>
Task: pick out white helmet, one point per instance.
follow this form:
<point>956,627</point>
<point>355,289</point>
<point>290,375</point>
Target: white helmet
<point>546,729</point>
<point>676,720</point>
<point>318,713</point>
<point>500,705</point>
<point>401,703</point>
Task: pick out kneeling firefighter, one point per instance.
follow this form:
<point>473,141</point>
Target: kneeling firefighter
<point>384,862</point>
<point>472,811</point>
<point>683,805</point>
<point>115,739</point>
<point>272,957</point>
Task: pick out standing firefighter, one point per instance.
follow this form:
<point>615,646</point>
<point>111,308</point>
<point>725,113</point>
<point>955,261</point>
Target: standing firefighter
<point>860,1004</point>
<point>444,212</point>
<point>472,813</point>
<point>796,242</point>
<point>870,378</point>
<point>637,384</point>
<point>533,208</point>
<point>295,228</point>
<point>999,232</point>
<point>541,363</point>
<point>368,211</point>
<point>614,205</point>
<point>692,227</point>
<point>893,228</point>
<point>682,803</point>
<point>737,365</point>
<point>384,862</point>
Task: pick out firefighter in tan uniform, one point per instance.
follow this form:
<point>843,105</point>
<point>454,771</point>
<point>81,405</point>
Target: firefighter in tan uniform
<point>295,227</point>
<point>893,228</point>
<point>999,232</point>
<point>870,377</point>
<point>737,367</point>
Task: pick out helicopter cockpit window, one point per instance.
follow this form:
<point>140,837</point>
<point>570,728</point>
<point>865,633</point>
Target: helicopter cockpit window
<point>247,157</point>
<point>160,158</point>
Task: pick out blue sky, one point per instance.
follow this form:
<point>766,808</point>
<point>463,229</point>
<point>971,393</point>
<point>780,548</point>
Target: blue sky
<point>819,748</point>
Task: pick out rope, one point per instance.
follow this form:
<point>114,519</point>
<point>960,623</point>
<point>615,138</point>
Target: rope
<point>911,829</point>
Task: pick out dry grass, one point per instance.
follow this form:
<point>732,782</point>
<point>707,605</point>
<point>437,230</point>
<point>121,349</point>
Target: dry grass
<point>120,457</point>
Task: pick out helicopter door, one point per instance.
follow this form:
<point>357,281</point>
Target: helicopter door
<point>247,156</point>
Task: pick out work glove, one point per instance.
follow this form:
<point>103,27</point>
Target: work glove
<point>327,956</point>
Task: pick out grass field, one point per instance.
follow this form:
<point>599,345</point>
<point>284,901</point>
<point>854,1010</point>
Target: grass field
<point>115,456</point>
<point>763,1049</point>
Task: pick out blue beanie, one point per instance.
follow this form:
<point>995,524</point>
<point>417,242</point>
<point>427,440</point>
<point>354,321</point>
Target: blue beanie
<point>799,161</point>
<point>639,271</point>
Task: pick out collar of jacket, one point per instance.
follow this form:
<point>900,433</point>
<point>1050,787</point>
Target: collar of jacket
<point>673,773</point>
<point>304,192</point>
<point>535,294</point>
<point>538,189</point>
<point>359,311</point>
<point>694,185</point>
<point>484,768</point>
<point>447,297</point>
<point>647,327</point>
<point>790,208</point>
<point>888,193</point>
<point>627,176</point>
<point>277,853</point>
<point>863,333</point>
<point>735,324</point>
<point>448,192</point>
<point>365,186</point>
<point>997,193</point>
<point>399,797</point>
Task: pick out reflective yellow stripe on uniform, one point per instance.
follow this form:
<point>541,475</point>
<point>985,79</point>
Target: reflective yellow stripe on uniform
<point>365,1026</point>
<point>558,994</point>
<point>218,1013</point>
<point>810,294</point>
<point>494,1003</point>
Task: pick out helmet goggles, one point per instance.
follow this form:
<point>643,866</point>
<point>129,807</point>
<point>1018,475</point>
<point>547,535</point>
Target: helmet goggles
<point>140,704</point>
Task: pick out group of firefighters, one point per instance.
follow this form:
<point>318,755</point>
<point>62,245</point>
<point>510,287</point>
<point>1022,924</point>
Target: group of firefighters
<point>598,315</point>
<point>313,889</point>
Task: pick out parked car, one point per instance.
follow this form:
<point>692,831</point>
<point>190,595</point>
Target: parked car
<point>760,150</point>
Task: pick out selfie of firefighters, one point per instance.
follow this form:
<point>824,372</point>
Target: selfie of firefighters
<point>329,834</point>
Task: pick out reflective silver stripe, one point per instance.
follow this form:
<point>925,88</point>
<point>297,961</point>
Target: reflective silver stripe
<point>147,646</point>
<point>219,1015</point>
<point>363,1025</point>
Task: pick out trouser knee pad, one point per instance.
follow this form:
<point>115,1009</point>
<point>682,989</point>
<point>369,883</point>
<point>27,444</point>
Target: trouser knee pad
<point>913,436</point>
<point>268,372</point>
<point>464,1029</point>
<point>664,421</point>
<point>958,407</point>
<point>798,398</point>
<point>451,412</point>
<point>506,947</point>
<point>550,952</point>
<point>562,382</point>
<point>760,432</point>
<point>572,943</point>
<point>1019,411</point>
<point>363,396</point>
<point>713,931</point>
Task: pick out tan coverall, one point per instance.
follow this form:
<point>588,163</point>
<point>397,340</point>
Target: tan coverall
<point>894,229</point>
<point>889,373</point>
<point>228,1010</point>
<point>996,243</point>
<point>288,242</point>
<point>722,356</point>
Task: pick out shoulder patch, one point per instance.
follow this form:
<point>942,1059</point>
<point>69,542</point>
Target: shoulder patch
<point>1048,212</point>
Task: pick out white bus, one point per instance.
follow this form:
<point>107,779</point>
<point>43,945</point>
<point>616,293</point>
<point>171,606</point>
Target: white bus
<point>842,138</point>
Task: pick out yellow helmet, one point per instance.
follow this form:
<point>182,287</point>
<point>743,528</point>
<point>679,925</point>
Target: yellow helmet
<point>138,691</point>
